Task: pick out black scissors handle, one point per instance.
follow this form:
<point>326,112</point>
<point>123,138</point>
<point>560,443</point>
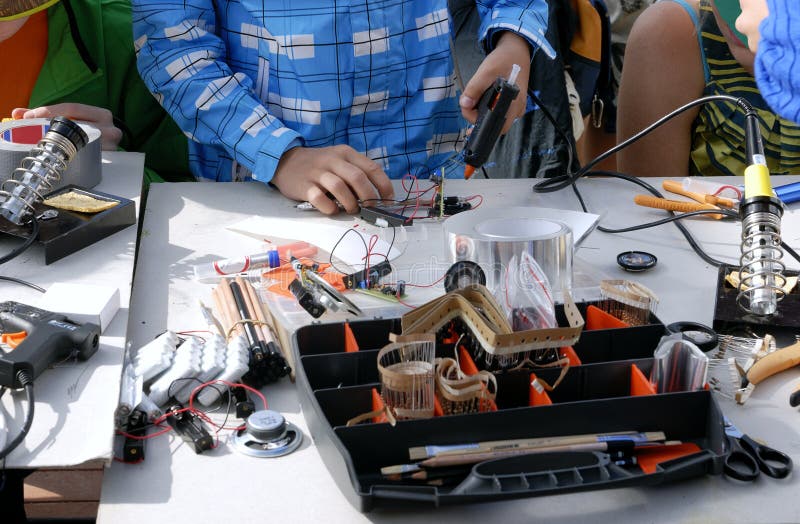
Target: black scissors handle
<point>739,464</point>
<point>772,462</point>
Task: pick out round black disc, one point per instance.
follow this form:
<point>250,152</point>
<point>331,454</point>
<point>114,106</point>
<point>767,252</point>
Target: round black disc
<point>636,260</point>
<point>462,274</point>
<point>700,335</point>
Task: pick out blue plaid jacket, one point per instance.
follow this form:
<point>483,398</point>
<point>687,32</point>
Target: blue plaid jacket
<point>254,78</point>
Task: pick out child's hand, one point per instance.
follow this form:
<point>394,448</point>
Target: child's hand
<point>310,173</point>
<point>99,117</point>
<point>753,12</point>
<point>511,49</point>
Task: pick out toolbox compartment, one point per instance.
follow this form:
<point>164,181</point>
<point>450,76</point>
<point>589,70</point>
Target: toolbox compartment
<point>595,397</point>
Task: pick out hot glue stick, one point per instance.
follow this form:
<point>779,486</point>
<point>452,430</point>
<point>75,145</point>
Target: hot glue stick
<point>268,259</point>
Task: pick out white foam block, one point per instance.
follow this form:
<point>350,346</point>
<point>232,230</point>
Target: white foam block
<point>83,302</point>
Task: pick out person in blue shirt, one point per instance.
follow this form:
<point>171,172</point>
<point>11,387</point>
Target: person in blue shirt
<point>324,99</point>
<point>772,28</point>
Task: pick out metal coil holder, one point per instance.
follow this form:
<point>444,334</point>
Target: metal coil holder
<point>761,279</point>
<point>41,169</point>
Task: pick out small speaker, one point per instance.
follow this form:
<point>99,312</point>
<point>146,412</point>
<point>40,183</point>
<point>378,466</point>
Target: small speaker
<point>267,434</point>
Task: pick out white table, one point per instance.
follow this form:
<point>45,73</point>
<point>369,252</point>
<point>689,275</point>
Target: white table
<point>75,402</point>
<point>184,224</point>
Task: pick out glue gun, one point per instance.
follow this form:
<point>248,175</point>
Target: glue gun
<point>492,109</point>
<point>38,339</point>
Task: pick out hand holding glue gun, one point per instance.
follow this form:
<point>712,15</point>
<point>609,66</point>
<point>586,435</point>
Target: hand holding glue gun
<point>492,109</point>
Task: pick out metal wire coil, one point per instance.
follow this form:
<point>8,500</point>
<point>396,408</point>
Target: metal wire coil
<point>761,269</point>
<point>37,174</point>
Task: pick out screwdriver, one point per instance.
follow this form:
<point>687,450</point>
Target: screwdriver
<point>492,109</point>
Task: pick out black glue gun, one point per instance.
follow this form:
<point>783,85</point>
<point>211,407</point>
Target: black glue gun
<point>492,109</point>
<point>38,339</point>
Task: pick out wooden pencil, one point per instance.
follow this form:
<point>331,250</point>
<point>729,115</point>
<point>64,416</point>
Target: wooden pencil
<point>254,305</point>
<point>227,294</point>
<point>474,458</point>
<point>423,452</point>
<point>219,303</point>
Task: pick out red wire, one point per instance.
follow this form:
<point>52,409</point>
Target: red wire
<point>428,285</point>
<point>474,197</point>
<point>734,188</point>
<point>197,412</point>
<point>373,240</point>
<point>145,437</point>
<point>406,305</point>
<point>230,385</point>
<point>117,459</point>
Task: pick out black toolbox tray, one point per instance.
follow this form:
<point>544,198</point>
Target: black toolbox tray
<point>335,386</point>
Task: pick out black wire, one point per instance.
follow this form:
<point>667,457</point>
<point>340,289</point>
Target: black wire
<point>25,245</point>
<point>560,182</point>
<point>330,259</point>
<point>391,244</point>
<point>789,250</point>
<point>572,151</point>
<point>11,446</point>
<point>689,237</point>
<point>672,218</point>
<point>23,282</point>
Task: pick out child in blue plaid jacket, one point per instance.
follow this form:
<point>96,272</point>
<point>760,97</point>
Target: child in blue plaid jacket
<point>324,98</point>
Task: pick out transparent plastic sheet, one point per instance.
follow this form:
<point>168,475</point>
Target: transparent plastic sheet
<point>679,365</point>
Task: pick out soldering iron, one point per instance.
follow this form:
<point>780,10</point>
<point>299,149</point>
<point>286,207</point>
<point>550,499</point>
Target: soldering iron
<point>761,274</point>
<point>492,109</point>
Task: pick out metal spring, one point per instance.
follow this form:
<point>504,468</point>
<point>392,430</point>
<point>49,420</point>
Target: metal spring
<point>36,174</point>
<point>762,288</point>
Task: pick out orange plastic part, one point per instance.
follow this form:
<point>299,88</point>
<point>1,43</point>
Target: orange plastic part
<point>466,363</point>
<point>640,385</point>
<point>13,339</point>
<point>649,457</point>
<point>573,358</point>
<point>469,368</point>
<point>350,343</point>
<point>437,407</point>
<point>377,405</point>
<point>536,398</point>
<point>596,318</point>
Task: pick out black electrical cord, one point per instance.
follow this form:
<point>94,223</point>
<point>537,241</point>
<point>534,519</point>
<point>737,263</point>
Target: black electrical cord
<point>789,250</point>
<point>15,253</point>
<point>23,282</point>
<point>27,383</point>
<point>560,182</point>
<point>25,245</point>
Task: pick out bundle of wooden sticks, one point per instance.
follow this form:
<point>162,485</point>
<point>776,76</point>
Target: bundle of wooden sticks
<point>242,315</point>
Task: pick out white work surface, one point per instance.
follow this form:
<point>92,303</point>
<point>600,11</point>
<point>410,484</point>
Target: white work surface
<point>75,401</point>
<point>185,224</point>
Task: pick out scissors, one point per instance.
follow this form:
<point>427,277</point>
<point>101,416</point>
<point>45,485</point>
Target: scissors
<point>747,457</point>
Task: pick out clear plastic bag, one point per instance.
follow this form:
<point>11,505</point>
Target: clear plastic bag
<point>527,296</point>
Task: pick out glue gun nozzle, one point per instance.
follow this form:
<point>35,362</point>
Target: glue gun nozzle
<point>468,171</point>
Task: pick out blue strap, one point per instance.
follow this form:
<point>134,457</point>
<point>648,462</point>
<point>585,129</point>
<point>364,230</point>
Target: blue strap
<point>696,21</point>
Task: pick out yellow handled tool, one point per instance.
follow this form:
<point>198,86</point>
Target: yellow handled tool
<point>773,363</point>
<point>674,205</point>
